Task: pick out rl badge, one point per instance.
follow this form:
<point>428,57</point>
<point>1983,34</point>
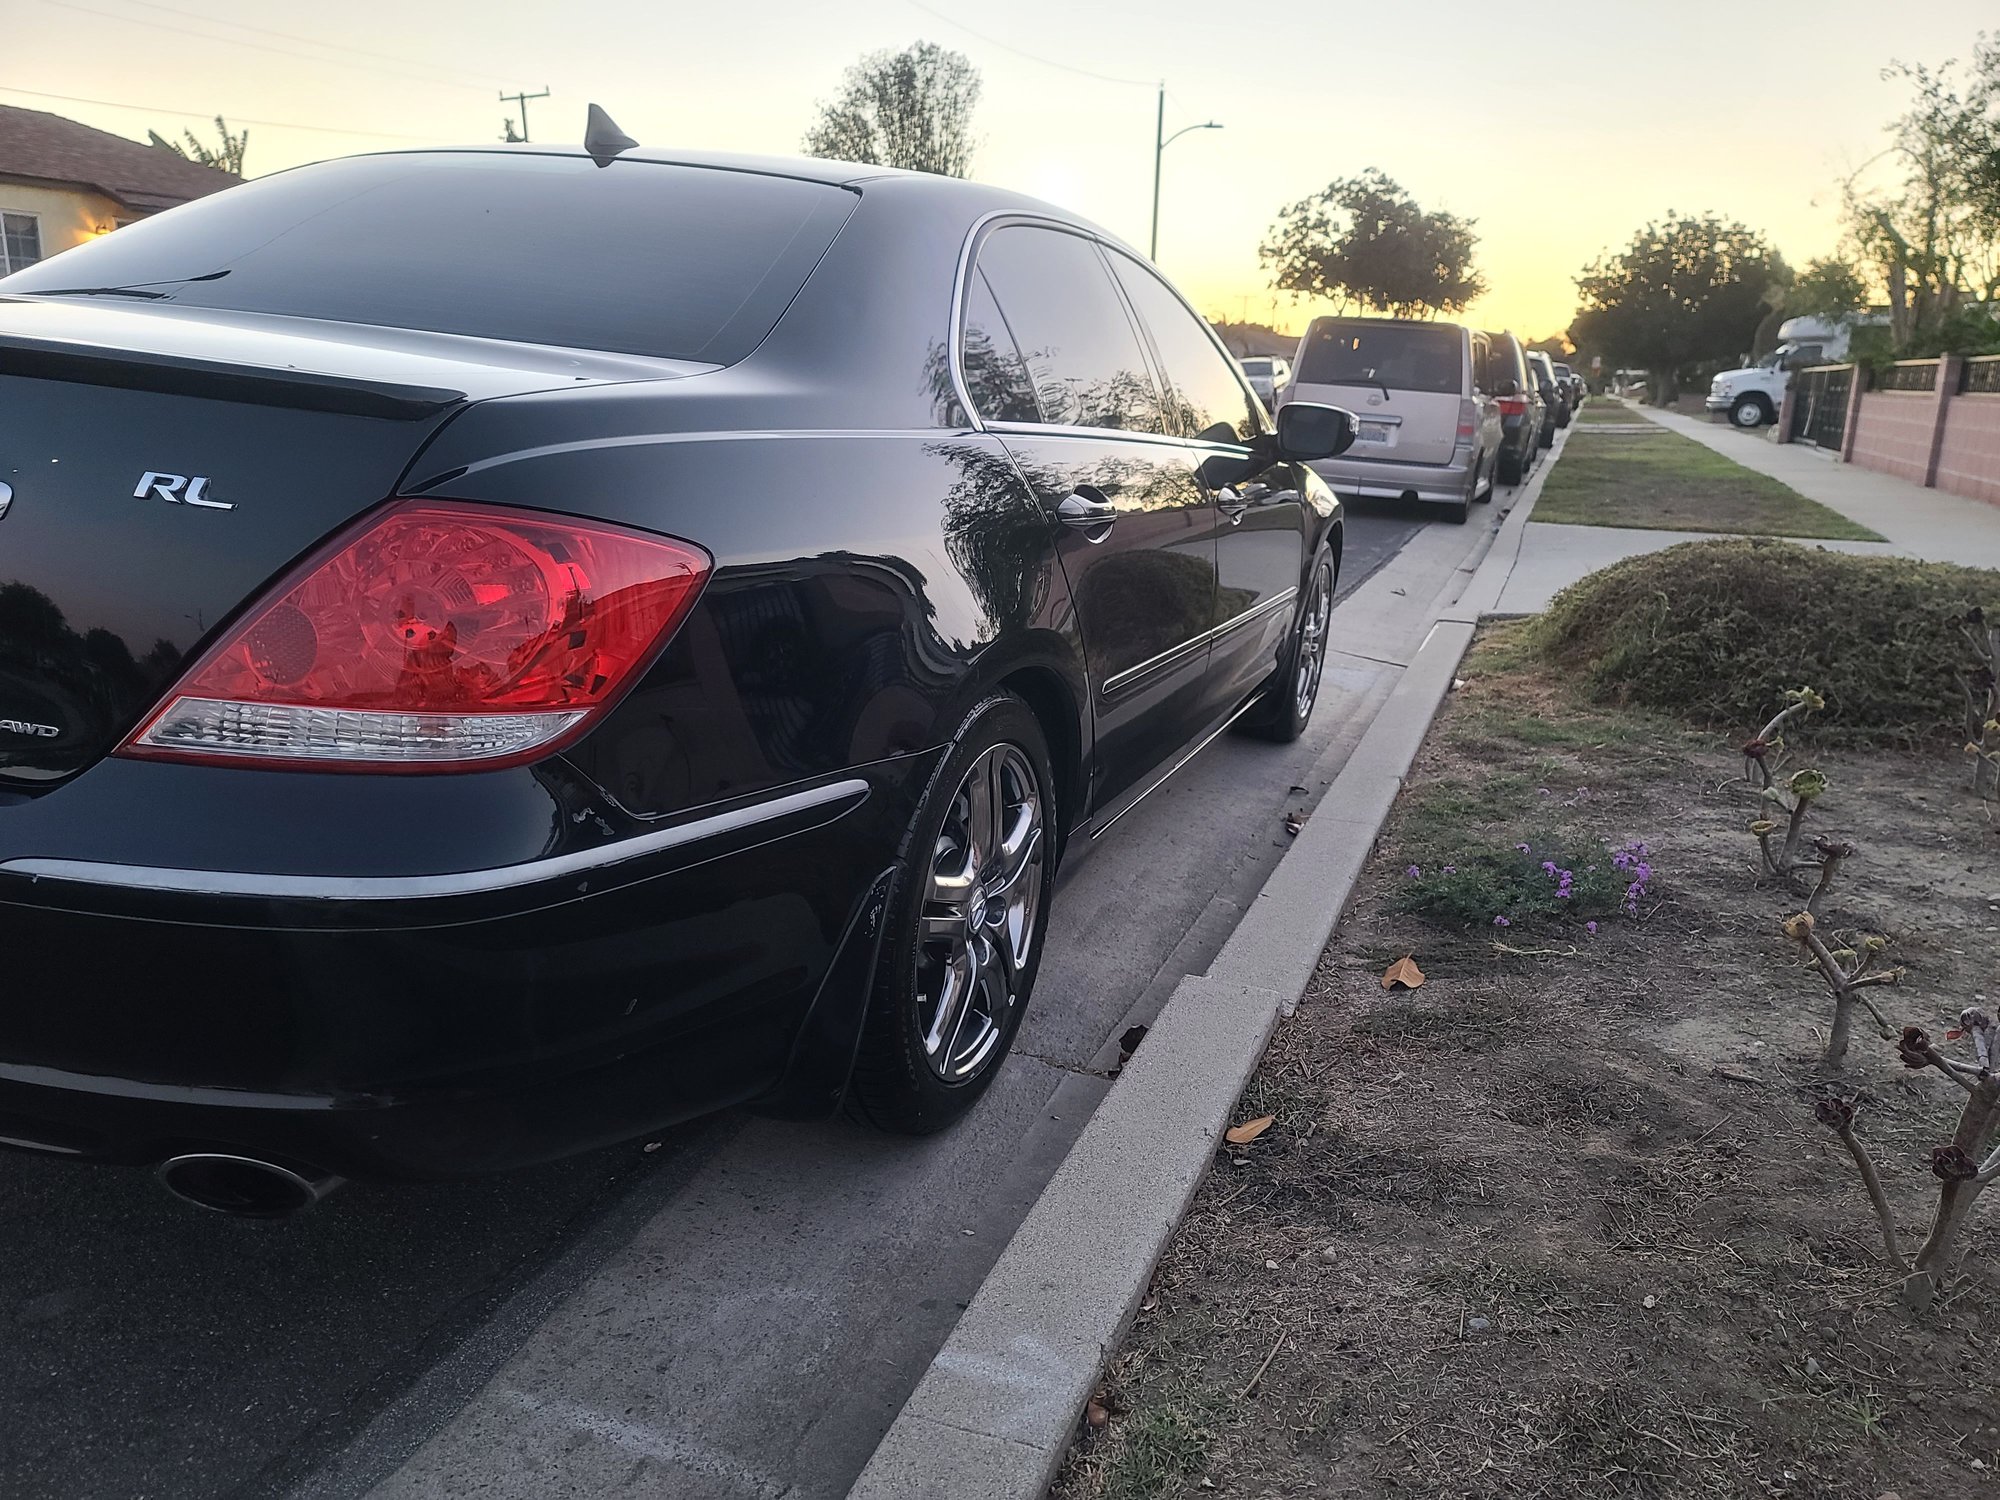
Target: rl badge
<point>178,489</point>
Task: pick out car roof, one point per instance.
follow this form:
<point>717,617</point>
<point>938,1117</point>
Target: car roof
<point>975,199</point>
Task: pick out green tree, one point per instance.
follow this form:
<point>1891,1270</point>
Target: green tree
<point>227,157</point>
<point>1828,287</point>
<point>1685,292</point>
<point>902,109</point>
<point>1364,242</point>
<point>1932,240</point>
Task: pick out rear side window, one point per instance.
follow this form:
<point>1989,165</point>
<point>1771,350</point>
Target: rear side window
<point>996,377</point>
<point>635,258</point>
<point>1205,398</point>
<point>1398,356</point>
<point>1082,355</point>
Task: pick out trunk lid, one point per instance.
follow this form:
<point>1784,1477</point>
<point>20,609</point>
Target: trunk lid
<point>161,465</point>
<point>1403,380</point>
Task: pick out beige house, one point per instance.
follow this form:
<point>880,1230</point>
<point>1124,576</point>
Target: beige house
<point>62,183</point>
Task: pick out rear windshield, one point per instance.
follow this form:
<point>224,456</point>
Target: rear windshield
<point>635,258</point>
<point>1256,367</point>
<point>1398,356</point>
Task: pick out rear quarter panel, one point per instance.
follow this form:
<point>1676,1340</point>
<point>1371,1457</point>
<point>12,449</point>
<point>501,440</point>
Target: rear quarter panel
<point>868,586</point>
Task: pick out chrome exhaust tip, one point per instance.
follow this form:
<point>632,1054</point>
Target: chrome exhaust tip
<point>243,1186</point>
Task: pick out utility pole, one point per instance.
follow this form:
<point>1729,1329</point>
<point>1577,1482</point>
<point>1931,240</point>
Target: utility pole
<point>1160,143</point>
<point>522,100</point>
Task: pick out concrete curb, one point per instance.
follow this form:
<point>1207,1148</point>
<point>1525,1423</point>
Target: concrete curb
<point>998,1408</point>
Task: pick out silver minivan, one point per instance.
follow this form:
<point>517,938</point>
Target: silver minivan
<point>1426,431</point>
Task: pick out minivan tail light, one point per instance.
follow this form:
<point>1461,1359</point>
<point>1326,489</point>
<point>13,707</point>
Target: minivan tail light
<point>1468,421</point>
<point>1512,406</point>
<point>433,635</point>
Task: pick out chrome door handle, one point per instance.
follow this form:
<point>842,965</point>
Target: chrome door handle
<point>1087,513</point>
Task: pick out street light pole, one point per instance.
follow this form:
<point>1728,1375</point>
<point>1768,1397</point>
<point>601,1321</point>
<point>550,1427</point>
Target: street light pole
<point>1161,141</point>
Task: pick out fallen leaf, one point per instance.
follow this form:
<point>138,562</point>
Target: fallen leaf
<point>1096,1413</point>
<point>1128,1042</point>
<point>1403,971</point>
<point>1249,1130</point>
<point>1649,1301</point>
<point>1293,824</point>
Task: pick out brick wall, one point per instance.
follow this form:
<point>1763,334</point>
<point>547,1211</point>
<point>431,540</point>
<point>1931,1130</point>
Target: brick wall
<point>1969,456</point>
<point>1946,436</point>
<point>1892,433</point>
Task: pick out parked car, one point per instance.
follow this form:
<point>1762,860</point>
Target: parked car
<point>577,678</point>
<point>1752,395</point>
<point>1267,375</point>
<point>1520,404</point>
<point>1572,383</point>
<point>1429,429</point>
<point>1555,400</point>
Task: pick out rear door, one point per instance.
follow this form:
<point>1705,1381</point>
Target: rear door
<point>1055,368</point>
<point>1403,380</point>
<point>1260,509</point>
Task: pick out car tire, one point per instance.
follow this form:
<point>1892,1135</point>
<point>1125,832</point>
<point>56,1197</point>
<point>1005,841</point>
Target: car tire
<point>964,928</point>
<point>1508,469</point>
<point>1286,707</point>
<point>1455,511</point>
<point>1749,412</point>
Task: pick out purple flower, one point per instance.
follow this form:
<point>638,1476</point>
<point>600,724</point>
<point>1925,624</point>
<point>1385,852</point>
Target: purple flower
<point>1502,922</point>
<point>1563,894</point>
<point>1451,869</point>
<point>1524,848</point>
<point>1548,866</point>
<point>1590,927</point>
<point>1415,872</point>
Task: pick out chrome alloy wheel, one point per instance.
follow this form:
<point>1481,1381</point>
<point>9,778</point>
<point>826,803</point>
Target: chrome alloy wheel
<point>980,910</point>
<point>1312,643</point>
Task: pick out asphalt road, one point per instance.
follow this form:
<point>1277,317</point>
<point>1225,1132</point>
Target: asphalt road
<point>775,1288</point>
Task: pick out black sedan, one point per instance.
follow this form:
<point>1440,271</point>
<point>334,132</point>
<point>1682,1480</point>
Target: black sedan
<point>501,650</point>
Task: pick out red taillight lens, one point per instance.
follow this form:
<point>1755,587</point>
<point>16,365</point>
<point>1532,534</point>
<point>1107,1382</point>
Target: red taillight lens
<point>435,635</point>
<point>1512,406</point>
<point>1468,421</point>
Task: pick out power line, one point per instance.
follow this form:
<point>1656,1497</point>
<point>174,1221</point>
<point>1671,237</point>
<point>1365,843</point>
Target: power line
<point>1137,83</point>
<point>309,41</point>
<point>232,41</point>
<point>195,114</point>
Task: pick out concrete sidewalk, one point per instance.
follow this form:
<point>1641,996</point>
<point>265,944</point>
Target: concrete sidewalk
<point>1920,523</point>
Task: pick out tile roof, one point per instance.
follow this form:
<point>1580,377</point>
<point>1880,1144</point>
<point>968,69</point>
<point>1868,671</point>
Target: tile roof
<point>48,148</point>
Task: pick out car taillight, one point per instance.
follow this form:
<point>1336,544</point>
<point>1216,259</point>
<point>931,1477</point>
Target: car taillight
<point>1512,406</point>
<point>434,635</point>
<point>1468,421</point>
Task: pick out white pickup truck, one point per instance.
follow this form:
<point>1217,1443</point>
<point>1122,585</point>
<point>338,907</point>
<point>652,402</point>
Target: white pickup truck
<point>1753,395</point>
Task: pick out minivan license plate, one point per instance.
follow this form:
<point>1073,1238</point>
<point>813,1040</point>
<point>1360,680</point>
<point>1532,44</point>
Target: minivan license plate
<point>1376,432</point>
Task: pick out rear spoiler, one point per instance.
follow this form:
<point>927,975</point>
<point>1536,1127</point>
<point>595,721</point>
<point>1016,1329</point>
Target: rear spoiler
<point>142,370</point>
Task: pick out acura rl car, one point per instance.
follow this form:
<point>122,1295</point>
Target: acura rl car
<point>504,649</point>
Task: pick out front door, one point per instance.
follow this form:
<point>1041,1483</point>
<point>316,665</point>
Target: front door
<point>1262,519</point>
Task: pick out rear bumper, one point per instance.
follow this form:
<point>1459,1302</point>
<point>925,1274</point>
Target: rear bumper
<point>447,1024</point>
<point>1376,479</point>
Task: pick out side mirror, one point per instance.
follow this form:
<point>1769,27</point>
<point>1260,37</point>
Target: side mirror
<point>1307,430</point>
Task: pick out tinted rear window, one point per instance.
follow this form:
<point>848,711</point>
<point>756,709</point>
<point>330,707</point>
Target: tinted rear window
<point>635,258</point>
<point>1396,355</point>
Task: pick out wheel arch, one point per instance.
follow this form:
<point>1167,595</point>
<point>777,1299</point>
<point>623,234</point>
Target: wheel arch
<point>1053,702</point>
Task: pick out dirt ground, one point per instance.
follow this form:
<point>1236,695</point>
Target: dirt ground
<point>1561,1222</point>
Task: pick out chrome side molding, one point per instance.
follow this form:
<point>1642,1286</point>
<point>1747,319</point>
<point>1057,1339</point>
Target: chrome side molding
<point>835,799</point>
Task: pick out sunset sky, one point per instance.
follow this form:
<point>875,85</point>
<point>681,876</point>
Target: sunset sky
<point>1560,129</point>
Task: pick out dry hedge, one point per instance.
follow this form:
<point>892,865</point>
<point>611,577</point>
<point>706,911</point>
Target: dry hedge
<point>1712,632</point>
